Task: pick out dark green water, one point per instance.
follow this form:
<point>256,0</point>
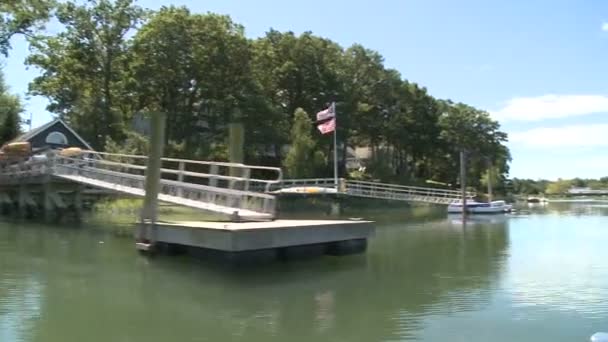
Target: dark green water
<point>536,277</point>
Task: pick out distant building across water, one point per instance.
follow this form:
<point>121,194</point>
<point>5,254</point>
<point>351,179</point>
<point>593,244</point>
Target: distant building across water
<point>587,191</point>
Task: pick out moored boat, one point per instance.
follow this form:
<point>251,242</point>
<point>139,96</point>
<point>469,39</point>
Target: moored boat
<point>532,199</point>
<point>494,207</point>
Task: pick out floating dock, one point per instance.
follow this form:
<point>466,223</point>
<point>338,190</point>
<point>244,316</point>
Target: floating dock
<point>260,241</point>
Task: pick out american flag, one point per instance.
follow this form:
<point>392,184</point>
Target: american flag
<point>327,126</point>
<point>325,114</point>
<point>326,120</point>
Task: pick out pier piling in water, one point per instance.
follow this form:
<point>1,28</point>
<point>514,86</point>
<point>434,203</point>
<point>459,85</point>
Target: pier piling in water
<point>463,183</point>
<point>146,234</point>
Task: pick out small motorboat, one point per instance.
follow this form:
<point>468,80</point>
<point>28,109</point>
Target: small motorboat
<point>532,199</point>
<point>473,207</point>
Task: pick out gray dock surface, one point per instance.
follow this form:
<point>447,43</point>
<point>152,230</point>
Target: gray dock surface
<point>272,239</point>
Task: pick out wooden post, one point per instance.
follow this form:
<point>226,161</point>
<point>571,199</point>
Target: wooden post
<point>47,200</point>
<point>236,142</point>
<point>149,214</point>
<point>47,188</point>
<point>463,183</point>
<point>78,201</point>
<point>489,180</point>
<point>180,178</point>
<point>22,200</point>
<point>342,185</point>
<point>214,169</point>
<point>236,154</point>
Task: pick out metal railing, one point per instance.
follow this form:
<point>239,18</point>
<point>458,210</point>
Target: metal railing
<point>403,192</point>
<point>379,190</point>
<point>18,170</point>
<point>213,186</point>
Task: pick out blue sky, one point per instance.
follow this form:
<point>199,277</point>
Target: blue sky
<point>538,66</point>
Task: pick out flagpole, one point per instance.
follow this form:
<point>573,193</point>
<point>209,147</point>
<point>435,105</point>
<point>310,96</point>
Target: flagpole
<point>333,104</point>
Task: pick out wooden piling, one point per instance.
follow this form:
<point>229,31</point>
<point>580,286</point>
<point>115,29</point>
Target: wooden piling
<point>47,200</point>
<point>149,214</point>
<point>22,200</point>
<point>490,178</point>
<point>78,202</point>
<point>463,183</point>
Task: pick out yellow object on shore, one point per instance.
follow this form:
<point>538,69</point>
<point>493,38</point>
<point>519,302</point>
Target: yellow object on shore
<point>70,152</point>
<point>17,148</point>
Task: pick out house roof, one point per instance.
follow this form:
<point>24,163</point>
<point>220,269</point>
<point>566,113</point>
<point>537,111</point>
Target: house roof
<point>29,135</point>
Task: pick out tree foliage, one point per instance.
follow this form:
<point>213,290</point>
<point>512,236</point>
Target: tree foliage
<point>561,186</point>
<point>115,60</point>
<point>10,108</point>
<point>303,158</point>
<point>84,67</point>
<point>21,17</point>
<point>197,69</point>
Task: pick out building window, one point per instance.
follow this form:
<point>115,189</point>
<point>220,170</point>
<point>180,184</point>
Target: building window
<point>56,138</point>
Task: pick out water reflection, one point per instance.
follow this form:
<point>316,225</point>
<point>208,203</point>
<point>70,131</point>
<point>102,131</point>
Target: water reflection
<point>575,208</point>
<point>564,269</point>
<point>538,275</point>
<point>105,292</point>
<point>476,220</point>
<point>20,294</point>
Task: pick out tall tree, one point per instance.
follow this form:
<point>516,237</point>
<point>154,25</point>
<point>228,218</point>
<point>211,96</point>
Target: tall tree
<point>83,67</point>
<point>297,72</point>
<point>464,128</point>
<point>197,69</point>
<point>21,17</point>
<point>10,127</point>
<point>10,108</point>
<point>303,159</point>
<point>205,74</point>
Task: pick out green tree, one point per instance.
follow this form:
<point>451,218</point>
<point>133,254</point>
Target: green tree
<point>10,108</point>
<point>561,186</point>
<point>83,67</point>
<point>298,72</point>
<point>493,176</point>
<point>303,159</point>
<point>21,17</point>
<point>197,69</point>
<point>134,143</point>
<point>10,127</point>
<point>202,71</point>
<point>464,128</point>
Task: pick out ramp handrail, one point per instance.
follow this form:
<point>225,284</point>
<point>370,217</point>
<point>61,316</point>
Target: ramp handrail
<point>403,193</point>
<point>214,172</point>
<point>210,187</point>
<point>330,182</point>
<point>215,186</point>
<point>408,188</point>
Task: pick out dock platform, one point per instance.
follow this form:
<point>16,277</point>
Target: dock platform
<point>262,241</point>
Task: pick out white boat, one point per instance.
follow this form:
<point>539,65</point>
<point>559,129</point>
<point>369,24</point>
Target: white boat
<point>542,200</point>
<point>473,207</point>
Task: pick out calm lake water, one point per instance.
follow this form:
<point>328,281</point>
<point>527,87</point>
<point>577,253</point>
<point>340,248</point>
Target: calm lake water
<point>540,276</point>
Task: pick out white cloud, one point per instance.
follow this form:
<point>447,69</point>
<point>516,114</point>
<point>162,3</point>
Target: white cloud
<point>605,26</point>
<point>551,107</point>
<point>566,136</point>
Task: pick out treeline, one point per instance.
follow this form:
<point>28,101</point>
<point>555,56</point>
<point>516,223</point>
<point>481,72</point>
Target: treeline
<point>114,61</point>
<point>560,186</point>
<point>10,108</point>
